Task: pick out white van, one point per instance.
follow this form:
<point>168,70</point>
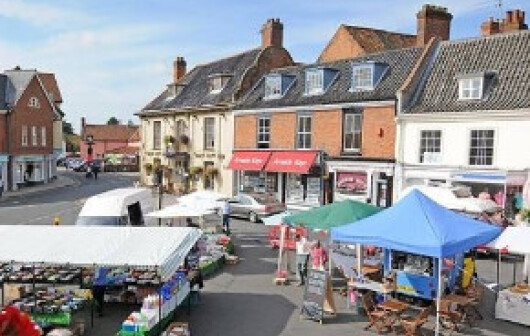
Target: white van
<point>118,207</point>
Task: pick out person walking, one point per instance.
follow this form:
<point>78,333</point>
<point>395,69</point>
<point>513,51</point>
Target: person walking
<point>95,170</point>
<point>1,186</point>
<point>302,258</point>
<point>225,212</point>
<point>319,256</point>
<point>99,287</point>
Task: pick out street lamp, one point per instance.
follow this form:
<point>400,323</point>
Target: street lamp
<point>89,141</point>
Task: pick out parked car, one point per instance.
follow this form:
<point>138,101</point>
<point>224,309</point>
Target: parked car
<point>255,206</point>
<point>72,162</point>
<point>80,166</point>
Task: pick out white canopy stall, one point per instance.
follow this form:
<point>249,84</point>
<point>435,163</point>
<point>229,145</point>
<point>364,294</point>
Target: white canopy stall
<point>163,248</point>
<point>513,304</point>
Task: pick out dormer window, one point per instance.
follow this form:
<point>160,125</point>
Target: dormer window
<point>366,76</point>
<point>34,102</point>
<point>273,86</point>
<point>471,88</point>
<point>318,80</point>
<point>218,82</point>
<point>277,84</point>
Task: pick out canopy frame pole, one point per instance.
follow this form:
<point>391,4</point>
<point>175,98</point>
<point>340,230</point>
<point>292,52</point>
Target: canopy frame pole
<point>499,259</point>
<point>359,252</point>
<point>33,287</point>
<point>438,297</point>
<point>159,301</point>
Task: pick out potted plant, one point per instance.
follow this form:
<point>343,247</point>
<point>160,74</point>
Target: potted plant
<point>194,171</point>
<point>148,168</point>
<point>211,171</point>
<point>184,139</point>
<point>169,139</point>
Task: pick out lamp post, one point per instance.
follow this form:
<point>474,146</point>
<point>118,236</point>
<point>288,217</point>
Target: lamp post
<point>90,142</point>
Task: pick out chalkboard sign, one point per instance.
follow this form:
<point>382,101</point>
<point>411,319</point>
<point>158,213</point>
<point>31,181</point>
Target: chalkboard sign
<point>315,292</point>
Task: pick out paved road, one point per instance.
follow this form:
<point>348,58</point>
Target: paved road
<point>66,202</point>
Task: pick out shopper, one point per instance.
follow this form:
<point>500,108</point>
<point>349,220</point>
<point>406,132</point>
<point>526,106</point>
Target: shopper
<point>1,186</point>
<point>302,258</point>
<point>95,170</point>
<point>98,288</point>
<point>319,256</point>
<point>225,212</point>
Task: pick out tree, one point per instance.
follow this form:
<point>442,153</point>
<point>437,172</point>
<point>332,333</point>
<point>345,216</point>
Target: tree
<point>67,128</point>
<point>113,121</point>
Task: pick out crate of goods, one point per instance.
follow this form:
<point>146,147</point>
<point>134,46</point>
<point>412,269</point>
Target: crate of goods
<point>178,329</point>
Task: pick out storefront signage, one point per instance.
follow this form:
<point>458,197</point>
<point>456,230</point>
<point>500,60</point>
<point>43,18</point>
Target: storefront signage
<point>249,160</point>
<point>315,291</point>
<point>291,162</point>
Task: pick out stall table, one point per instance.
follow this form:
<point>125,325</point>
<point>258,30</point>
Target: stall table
<point>513,306</point>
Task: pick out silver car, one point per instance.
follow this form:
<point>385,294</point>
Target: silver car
<point>255,206</point>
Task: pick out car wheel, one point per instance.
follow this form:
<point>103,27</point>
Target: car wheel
<point>253,217</point>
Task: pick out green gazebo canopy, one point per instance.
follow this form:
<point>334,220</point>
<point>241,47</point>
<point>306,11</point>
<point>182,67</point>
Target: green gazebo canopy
<point>332,215</point>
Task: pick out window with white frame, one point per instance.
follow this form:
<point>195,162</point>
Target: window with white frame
<point>24,139</point>
<point>314,81</point>
<point>470,88</point>
<point>352,132</point>
<point>34,138</point>
<point>157,134</point>
<point>209,133</point>
<point>430,146</point>
<point>217,83</point>
<point>34,102</point>
<point>363,77</point>
<point>273,86</point>
<point>481,147</point>
<point>303,136</point>
<point>264,135</point>
<point>43,136</point>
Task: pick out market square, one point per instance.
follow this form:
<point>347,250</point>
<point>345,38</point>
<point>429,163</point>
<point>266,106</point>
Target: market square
<point>205,169</point>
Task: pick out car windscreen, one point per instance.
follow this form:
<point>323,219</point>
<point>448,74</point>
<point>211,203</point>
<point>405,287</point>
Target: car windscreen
<point>99,221</point>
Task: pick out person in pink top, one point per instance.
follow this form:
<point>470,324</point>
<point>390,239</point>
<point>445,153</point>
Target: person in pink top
<point>319,256</point>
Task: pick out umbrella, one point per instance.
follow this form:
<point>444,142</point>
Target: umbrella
<point>276,219</point>
<point>332,215</point>
<point>180,210</point>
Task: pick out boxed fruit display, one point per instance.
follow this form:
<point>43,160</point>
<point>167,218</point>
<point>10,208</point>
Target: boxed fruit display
<point>178,329</point>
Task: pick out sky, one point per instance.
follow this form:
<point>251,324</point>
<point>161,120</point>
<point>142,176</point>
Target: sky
<point>111,57</point>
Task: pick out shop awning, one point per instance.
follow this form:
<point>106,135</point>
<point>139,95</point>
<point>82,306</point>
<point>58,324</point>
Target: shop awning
<point>291,162</point>
<point>163,248</point>
<point>249,160</point>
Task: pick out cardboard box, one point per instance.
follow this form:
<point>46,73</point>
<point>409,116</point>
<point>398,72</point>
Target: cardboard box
<point>178,329</point>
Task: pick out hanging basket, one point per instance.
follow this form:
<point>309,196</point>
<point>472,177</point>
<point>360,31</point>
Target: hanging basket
<point>148,168</point>
<point>184,139</point>
<point>211,171</point>
<point>194,171</point>
<point>169,139</point>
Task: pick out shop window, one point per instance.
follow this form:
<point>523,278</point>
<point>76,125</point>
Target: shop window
<point>303,140</point>
<point>258,182</point>
<point>34,139</point>
<point>264,128</point>
<point>481,147</point>
<point>208,179</point>
<point>430,146</point>
<point>24,139</point>
<point>209,133</point>
<point>352,132</point>
<point>43,136</point>
<point>351,184</point>
<point>157,135</point>
<point>303,189</point>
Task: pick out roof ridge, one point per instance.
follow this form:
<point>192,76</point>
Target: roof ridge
<point>226,58</point>
<point>388,51</point>
<point>494,36</point>
<point>379,30</point>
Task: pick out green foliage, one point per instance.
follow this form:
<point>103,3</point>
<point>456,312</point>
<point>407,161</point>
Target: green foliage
<point>113,121</point>
<point>525,214</point>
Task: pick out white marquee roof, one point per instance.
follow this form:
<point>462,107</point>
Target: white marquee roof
<point>162,247</point>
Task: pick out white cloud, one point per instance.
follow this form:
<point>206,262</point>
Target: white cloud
<point>38,13</point>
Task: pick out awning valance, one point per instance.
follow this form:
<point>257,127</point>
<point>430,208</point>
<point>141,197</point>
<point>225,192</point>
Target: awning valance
<point>291,161</point>
<point>249,160</point>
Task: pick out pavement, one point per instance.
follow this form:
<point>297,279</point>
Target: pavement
<point>61,181</point>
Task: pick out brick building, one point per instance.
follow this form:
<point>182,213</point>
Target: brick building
<point>314,133</point>
<point>27,117</point>
<point>118,139</point>
<point>187,131</point>
<point>353,41</point>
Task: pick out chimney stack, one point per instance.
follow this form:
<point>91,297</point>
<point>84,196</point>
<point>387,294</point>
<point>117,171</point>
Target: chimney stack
<point>179,69</point>
<point>514,21</point>
<point>272,34</point>
<point>490,27</point>
<point>433,21</point>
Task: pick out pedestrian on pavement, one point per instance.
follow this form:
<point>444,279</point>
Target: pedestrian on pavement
<point>1,186</point>
<point>95,170</point>
<point>302,257</point>
<point>225,212</point>
<point>98,288</point>
<point>319,256</point>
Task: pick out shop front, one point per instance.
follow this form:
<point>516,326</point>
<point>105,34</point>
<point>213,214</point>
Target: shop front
<point>369,182</point>
<point>503,187</point>
<point>4,160</point>
<point>29,169</point>
<point>294,177</point>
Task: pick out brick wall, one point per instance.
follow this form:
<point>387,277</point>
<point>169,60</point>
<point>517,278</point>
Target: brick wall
<point>31,116</point>
<point>283,130</point>
<point>378,132</point>
<point>341,46</point>
<point>245,131</point>
<point>327,131</point>
<point>3,133</point>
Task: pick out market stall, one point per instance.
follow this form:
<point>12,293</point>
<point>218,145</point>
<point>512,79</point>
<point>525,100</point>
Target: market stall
<point>513,303</point>
<point>418,225</point>
<point>161,250</point>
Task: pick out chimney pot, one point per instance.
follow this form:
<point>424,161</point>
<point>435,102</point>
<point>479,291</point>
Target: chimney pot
<point>179,69</point>
<point>272,33</point>
<point>433,21</point>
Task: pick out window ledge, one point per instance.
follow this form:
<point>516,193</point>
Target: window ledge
<point>351,153</point>
<point>273,97</point>
<point>362,89</point>
<point>314,93</point>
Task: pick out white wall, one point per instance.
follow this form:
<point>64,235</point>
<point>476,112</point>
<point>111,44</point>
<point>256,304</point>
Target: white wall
<point>511,140</point>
